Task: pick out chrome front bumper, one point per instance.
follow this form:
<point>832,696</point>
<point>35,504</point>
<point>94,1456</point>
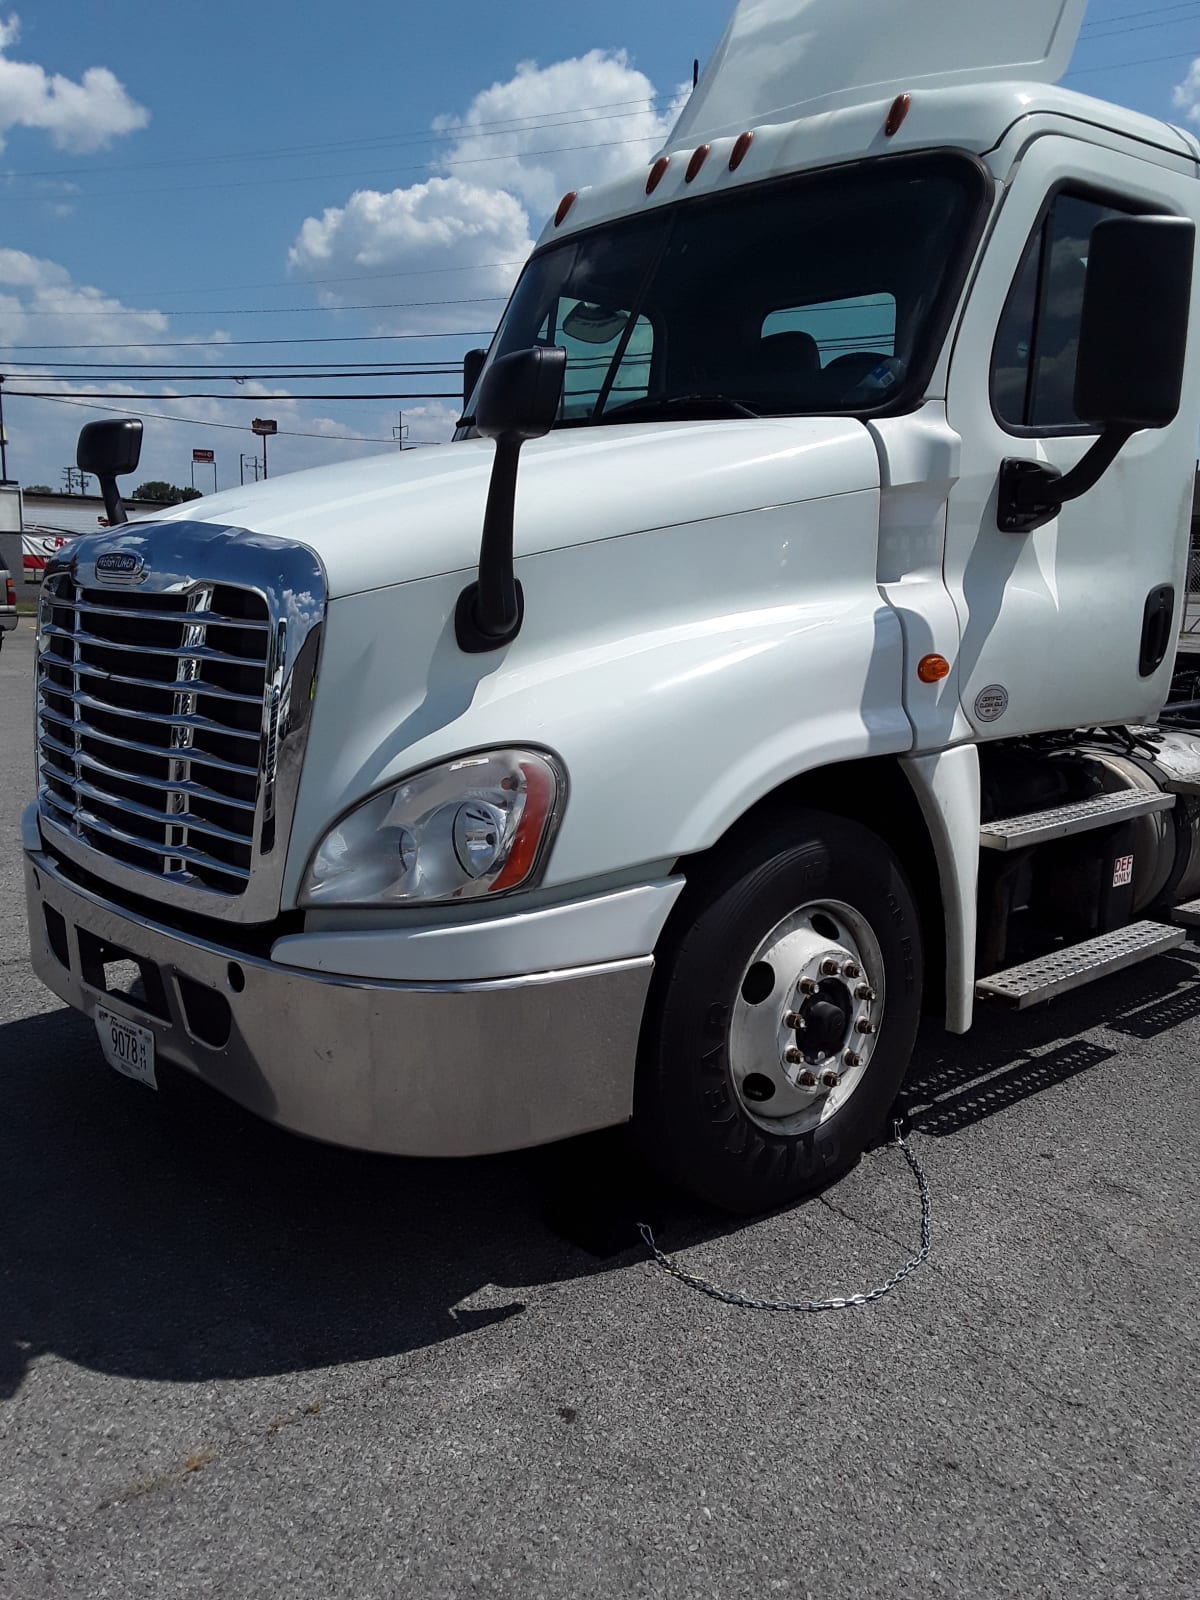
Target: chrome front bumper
<point>431,1069</point>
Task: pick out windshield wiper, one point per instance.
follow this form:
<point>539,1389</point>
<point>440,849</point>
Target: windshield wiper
<point>696,405</point>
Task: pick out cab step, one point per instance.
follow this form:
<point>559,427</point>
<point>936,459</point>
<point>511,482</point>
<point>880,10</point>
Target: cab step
<point>1188,914</point>
<point>1077,964</point>
<point>1097,811</point>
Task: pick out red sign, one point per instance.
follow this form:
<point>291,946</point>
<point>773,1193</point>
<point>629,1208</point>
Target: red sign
<point>264,425</point>
<point>204,455</point>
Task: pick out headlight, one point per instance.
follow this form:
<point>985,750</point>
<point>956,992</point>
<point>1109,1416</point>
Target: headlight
<point>476,826</point>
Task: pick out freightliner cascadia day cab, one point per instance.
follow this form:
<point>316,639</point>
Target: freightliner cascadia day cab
<point>778,651</point>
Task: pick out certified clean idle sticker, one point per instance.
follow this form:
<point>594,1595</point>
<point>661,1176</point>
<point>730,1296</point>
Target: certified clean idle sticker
<point>1122,871</point>
<point>991,703</point>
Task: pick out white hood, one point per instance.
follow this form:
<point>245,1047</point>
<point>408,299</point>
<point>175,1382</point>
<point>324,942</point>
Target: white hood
<point>783,59</point>
<point>416,513</point>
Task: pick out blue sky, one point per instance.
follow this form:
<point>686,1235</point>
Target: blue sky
<point>207,179</point>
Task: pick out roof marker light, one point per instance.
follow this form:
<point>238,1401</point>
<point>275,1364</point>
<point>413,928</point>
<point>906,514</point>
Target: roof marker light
<point>564,205</point>
<point>657,173</point>
<point>699,157</point>
<point>897,114</point>
<point>740,151</point>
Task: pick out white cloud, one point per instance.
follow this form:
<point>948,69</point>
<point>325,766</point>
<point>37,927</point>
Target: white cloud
<point>1186,97</point>
<point>39,302</point>
<point>463,233</point>
<point>81,116</point>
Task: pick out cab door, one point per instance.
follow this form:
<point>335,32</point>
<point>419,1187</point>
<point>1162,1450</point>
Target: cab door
<point>1053,621</point>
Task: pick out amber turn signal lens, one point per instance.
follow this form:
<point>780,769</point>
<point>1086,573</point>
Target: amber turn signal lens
<point>932,669</point>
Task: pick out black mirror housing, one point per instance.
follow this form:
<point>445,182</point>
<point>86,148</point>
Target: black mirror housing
<point>109,449</point>
<point>472,366</point>
<point>520,397</point>
<point>1133,331</point>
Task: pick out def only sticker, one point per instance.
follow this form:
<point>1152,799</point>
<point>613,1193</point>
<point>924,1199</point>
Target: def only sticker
<point>1122,871</point>
<point>991,703</point>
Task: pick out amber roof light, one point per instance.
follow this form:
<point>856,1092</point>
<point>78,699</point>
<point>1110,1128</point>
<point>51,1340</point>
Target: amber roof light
<point>897,114</point>
<point>657,173</point>
<point>564,205</point>
<point>741,149</point>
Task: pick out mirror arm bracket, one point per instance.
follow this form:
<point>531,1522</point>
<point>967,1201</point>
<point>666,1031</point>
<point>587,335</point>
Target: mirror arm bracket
<point>1031,494</point>
<point>114,508</point>
<point>490,611</point>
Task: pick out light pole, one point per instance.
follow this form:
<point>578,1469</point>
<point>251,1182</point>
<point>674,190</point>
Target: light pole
<point>3,437</point>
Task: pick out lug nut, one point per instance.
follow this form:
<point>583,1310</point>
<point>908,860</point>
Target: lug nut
<point>830,1079</point>
<point>807,1079</point>
<point>851,969</point>
<point>808,986</point>
<point>864,992</point>
<point>865,1025</point>
<point>793,1055</point>
<point>852,1059</point>
<point>830,967</point>
<point>794,1020</point>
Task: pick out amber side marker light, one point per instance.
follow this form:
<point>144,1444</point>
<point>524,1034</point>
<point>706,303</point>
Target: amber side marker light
<point>897,114</point>
<point>564,205</point>
<point>657,173</point>
<point>932,669</point>
<point>741,149</point>
<point>699,157</point>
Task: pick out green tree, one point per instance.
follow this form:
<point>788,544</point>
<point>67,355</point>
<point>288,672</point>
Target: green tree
<point>163,493</point>
<point>38,488</point>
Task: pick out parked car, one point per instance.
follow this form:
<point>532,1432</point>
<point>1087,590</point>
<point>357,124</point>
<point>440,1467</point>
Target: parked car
<point>8,604</point>
<point>38,544</point>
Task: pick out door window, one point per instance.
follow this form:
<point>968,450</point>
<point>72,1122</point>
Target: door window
<point>1037,343</point>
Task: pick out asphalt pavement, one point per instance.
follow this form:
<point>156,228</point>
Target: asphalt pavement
<point>234,1363</point>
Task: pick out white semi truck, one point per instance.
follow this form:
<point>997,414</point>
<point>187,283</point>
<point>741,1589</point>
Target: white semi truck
<point>802,673</point>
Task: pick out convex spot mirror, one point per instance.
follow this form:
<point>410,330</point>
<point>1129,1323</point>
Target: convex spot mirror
<point>1133,331</point>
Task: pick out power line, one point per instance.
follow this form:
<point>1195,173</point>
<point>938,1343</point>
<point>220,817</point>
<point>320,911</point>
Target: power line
<point>255,399</point>
<point>1141,61</point>
<point>1171,22</point>
<point>241,344</point>
<point>497,127</point>
<point>228,377</point>
<point>1134,16</point>
<point>346,277</point>
<point>275,311</point>
<point>320,177</point>
<point>202,422</point>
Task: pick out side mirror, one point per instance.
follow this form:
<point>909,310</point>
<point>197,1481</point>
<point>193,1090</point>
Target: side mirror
<point>521,394</point>
<point>472,366</point>
<point>1129,368</point>
<point>108,450</point>
<point>518,400</point>
<point>1133,333</point>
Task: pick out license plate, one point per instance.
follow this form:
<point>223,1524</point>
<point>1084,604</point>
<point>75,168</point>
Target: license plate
<point>127,1047</point>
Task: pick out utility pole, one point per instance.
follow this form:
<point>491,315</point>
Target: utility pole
<point>400,430</point>
<point>3,437</point>
<point>245,461</point>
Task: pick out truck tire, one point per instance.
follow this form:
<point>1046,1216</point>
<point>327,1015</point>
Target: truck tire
<point>794,958</point>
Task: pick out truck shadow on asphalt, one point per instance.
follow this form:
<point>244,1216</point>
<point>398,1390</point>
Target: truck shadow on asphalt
<point>175,1237</point>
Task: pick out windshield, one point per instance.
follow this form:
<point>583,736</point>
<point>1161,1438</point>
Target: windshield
<point>815,294</point>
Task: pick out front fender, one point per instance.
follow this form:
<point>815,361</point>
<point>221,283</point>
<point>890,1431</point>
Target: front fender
<point>681,674</point>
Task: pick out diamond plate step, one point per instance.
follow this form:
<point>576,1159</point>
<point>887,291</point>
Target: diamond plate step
<point>1098,811</point>
<point>1035,981</point>
<point>1188,914</point>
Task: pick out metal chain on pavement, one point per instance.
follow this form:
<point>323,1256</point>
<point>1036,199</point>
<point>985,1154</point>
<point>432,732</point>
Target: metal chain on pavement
<point>733,1297</point>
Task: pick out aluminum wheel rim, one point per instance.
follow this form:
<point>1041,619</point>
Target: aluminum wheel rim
<point>806,1021</point>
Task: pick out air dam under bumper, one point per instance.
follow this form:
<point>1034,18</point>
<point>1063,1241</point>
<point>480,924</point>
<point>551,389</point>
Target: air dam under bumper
<point>431,1069</point>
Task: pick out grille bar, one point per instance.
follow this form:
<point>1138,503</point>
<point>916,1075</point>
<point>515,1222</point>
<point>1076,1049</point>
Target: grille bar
<point>196,723</point>
<point>82,729</point>
<point>117,749</point>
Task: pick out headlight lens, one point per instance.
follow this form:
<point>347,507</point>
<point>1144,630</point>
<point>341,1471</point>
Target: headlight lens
<point>476,826</point>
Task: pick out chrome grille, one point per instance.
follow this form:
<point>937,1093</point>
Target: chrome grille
<point>151,716</point>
